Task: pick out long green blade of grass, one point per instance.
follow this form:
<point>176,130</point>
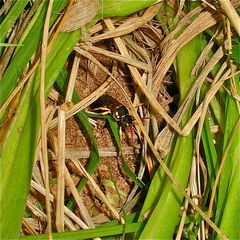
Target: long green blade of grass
<point>228,207</point>
<point>11,18</point>
<point>24,53</point>
<point>115,130</point>
<point>112,228</point>
<point>165,207</point>
<point>90,233</point>
<point>24,133</point>
<point>210,152</point>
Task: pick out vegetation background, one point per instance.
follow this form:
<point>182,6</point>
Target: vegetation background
<point>181,60</point>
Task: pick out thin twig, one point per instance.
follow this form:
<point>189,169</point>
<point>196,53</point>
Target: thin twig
<point>183,218</point>
<point>103,152</point>
<point>82,209</point>
<point>116,56</point>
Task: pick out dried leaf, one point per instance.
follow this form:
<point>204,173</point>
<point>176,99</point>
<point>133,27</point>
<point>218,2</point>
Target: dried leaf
<point>81,13</point>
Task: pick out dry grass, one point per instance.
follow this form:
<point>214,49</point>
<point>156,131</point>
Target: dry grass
<point>137,42</point>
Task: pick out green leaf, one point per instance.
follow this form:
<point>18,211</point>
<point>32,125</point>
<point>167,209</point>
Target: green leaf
<point>90,233</point>
<point>165,209</point>
<point>111,228</point>
<point>228,207</point>
<point>210,152</point>
<point>11,18</point>
<point>114,8</point>
<point>115,131</point>
<point>19,147</point>
<point>236,50</point>
<point>17,158</point>
<point>30,44</point>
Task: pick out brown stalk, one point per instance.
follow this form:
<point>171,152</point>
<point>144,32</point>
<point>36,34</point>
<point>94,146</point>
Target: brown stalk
<point>60,172</point>
<point>183,217</point>
<point>28,227</point>
<point>72,79</point>
<point>83,211</point>
<point>231,13</point>
<point>80,153</point>
<point>116,56</point>
<point>43,116</point>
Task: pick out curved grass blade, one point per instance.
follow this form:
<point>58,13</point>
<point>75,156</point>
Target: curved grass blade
<point>82,119</point>
<point>115,131</point>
